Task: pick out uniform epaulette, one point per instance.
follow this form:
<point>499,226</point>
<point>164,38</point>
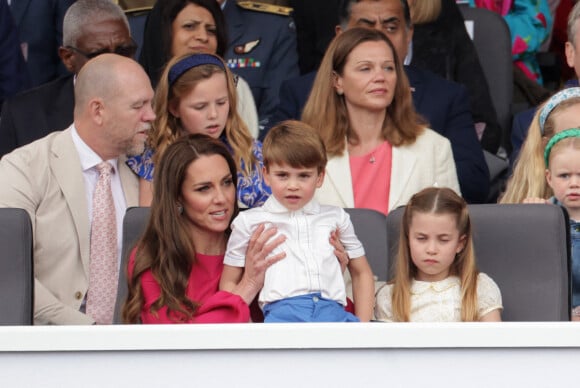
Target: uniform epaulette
<point>267,8</point>
<point>134,6</point>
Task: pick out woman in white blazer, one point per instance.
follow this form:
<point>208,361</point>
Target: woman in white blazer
<point>380,150</point>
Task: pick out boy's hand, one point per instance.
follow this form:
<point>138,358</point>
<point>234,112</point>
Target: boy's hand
<point>339,250</point>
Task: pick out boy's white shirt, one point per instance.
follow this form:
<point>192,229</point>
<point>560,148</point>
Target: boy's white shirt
<point>310,265</point>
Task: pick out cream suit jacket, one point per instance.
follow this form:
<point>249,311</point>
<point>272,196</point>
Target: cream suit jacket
<point>427,162</point>
<point>45,179</point>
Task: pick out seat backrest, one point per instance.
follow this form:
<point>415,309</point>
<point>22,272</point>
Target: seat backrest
<point>492,41</point>
<point>371,229</point>
<point>525,249</point>
<point>133,227</point>
<point>16,268</point>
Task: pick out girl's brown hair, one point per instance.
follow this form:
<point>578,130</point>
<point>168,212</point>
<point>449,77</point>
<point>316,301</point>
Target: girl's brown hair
<point>296,144</point>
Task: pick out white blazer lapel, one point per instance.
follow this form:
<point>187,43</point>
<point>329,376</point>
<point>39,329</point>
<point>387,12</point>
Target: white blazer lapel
<point>130,183</point>
<point>337,187</point>
<point>403,163</point>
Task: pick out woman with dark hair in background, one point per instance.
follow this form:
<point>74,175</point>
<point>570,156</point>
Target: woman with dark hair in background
<point>178,27</point>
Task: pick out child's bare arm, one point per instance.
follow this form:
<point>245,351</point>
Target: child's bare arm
<point>145,192</point>
<point>231,276</point>
<point>492,316</point>
<point>363,288</point>
<point>339,251</point>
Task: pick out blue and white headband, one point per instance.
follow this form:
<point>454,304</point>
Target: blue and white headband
<point>192,61</point>
<point>554,101</point>
<point>572,132</point>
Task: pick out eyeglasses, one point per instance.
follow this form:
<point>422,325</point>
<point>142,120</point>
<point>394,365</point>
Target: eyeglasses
<point>127,50</point>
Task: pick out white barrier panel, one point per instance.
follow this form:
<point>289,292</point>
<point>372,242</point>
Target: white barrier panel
<point>292,355</point>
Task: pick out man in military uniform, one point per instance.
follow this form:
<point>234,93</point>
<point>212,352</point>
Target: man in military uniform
<point>261,49</point>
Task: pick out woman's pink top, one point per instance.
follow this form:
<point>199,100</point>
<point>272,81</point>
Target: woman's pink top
<point>371,178</point>
<point>216,306</point>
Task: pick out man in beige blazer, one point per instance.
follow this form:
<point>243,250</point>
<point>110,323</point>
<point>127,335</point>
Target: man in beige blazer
<point>49,179</point>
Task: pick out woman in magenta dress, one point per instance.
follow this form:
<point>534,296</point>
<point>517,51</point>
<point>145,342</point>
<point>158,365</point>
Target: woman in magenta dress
<point>175,269</point>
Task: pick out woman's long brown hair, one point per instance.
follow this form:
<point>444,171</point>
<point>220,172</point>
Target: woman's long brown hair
<point>166,248</point>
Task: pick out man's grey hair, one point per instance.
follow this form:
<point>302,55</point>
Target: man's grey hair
<point>83,12</point>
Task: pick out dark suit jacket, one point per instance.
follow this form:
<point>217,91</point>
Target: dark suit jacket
<point>443,103</point>
<point>13,73</point>
<point>521,123</point>
<point>520,126</point>
<point>315,24</point>
<point>444,47</point>
<point>274,57</point>
<point>40,27</point>
<point>35,113</point>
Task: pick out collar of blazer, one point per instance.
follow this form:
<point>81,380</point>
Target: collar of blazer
<point>65,167</point>
<point>339,176</point>
<point>63,156</point>
<point>18,9</point>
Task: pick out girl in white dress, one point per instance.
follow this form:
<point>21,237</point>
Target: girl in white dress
<point>436,278</point>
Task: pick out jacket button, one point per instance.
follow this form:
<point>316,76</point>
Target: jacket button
<point>78,295</point>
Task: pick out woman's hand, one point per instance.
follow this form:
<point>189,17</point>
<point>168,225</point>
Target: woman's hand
<point>258,260</point>
<point>339,250</point>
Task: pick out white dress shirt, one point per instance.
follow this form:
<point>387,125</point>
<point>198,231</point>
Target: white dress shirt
<point>310,265</point>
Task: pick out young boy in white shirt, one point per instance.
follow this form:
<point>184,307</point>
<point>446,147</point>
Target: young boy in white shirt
<point>307,285</point>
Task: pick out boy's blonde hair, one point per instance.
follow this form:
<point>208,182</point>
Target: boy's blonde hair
<point>437,201</point>
<point>296,144</point>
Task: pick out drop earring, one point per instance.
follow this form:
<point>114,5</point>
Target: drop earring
<point>179,208</point>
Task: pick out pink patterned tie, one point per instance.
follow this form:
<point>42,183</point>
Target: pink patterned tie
<point>103,267</point>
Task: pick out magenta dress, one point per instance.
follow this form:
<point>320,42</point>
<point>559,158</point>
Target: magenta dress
<point>216,306</point>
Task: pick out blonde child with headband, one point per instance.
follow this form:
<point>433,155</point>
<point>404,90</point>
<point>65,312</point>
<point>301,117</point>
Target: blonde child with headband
<point>436,277</point>
<point>560,112</point>
<point>196,94</point>
<point>562,161</point>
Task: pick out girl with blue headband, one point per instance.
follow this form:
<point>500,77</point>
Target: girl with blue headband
<point>196,94</point>
<point>559,112</point>
<point>562,159</point>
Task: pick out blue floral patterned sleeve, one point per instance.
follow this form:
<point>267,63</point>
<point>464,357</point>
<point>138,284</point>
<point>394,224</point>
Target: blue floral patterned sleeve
<point>142,165</point>
<point>252,190</point>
